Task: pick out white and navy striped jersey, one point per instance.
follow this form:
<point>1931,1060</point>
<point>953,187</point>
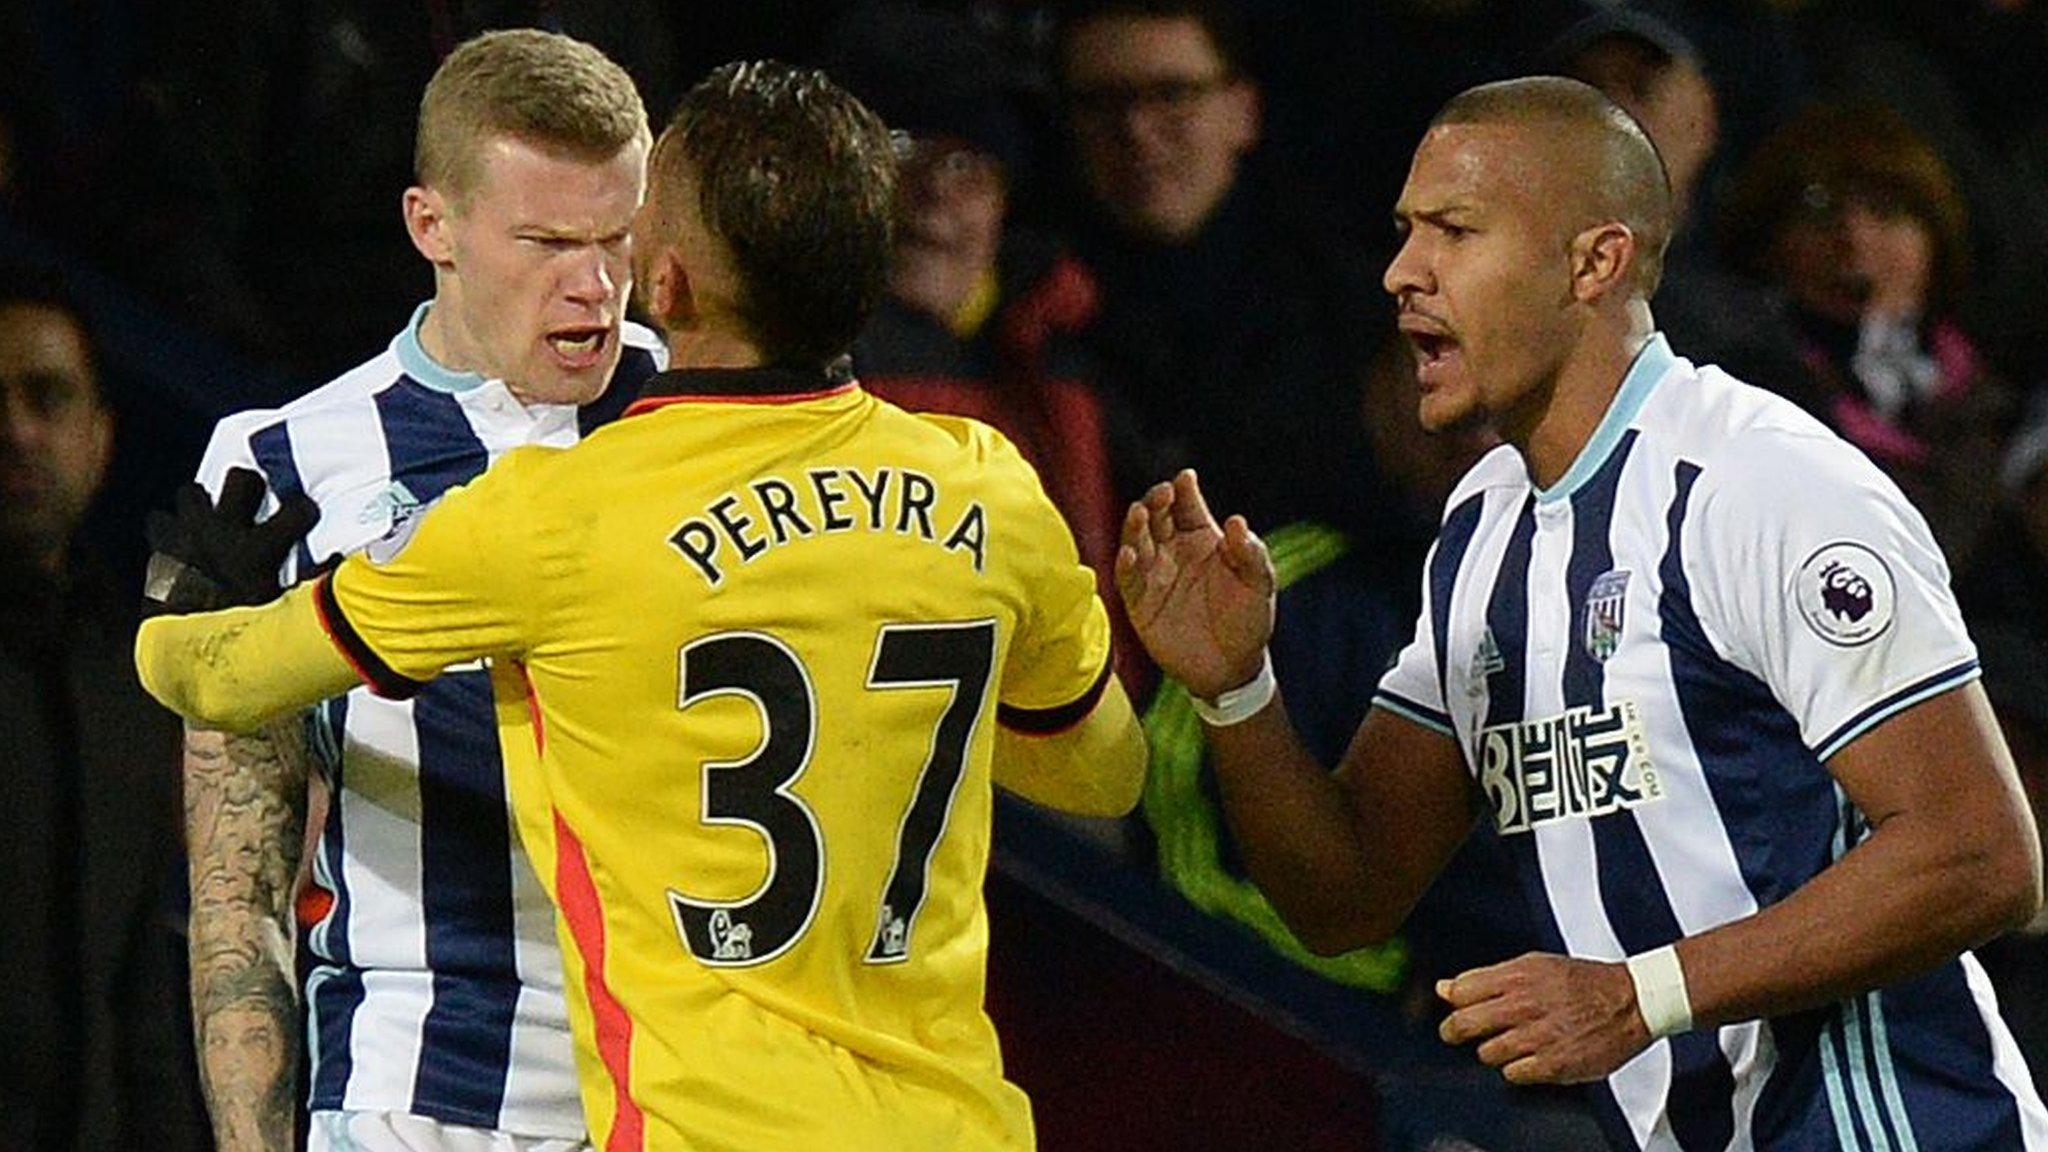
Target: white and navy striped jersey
<point>1647,667</point>
<point>437,983</point>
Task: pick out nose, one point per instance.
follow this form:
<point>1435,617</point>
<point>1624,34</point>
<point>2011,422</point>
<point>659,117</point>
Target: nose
<point>594,280</point>
<point>1408,272</point>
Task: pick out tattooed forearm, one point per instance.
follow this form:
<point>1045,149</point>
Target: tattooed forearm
<point>245,816</point>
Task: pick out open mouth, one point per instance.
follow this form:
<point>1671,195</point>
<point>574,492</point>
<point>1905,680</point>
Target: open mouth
<point>1432,349</point>
<point>579,347</point>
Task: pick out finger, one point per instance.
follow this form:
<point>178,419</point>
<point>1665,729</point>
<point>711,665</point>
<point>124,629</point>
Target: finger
<point>1530,1070</point>
<point>192,504</point>
<point>1479,1021</point>
<point>241,494</point>
<point>1161,509</point>
<point>1506,1048</point>
<point>1138,534</point>
<point>1246,554</point>
<point>1476,984</point>
<point>1137,523</point>
<point>1190,509</point>
<point>292,520</point>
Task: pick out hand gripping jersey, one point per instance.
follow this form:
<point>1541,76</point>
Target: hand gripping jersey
<point>750,646</point>
<point>1647,667</point>
<point>436,983</point>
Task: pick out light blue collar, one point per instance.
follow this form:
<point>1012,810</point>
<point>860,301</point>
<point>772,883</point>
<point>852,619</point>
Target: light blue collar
<point>413,358</point>
<point>1649,367</point>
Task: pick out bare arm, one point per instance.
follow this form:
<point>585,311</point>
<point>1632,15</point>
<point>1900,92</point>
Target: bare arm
<point>1343,858</point>
<point>1952,860</point>
<point>245,814</point>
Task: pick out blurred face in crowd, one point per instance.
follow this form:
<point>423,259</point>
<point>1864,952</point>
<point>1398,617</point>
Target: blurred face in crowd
<point>1843,254</point>
<point>533,267</point>
<point>1159,122</point>
<point>949,225</point>
<point>55,434</point>
<point>1671,98</point>
<point>1483,277</point>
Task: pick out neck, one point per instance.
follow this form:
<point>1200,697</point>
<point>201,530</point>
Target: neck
<point>443,340</point>
<point>711,348</point>
<point>1580,393</point>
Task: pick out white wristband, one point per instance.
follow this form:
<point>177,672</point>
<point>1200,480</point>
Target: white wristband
<point>1660,991</point>
<point>1240,703</point>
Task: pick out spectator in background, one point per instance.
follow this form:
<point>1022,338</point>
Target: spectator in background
<point>1644,64</point>
<point>98,1051</point>
<point>1854,215</point>
<point>981,317</point>
<point>1237,310</point>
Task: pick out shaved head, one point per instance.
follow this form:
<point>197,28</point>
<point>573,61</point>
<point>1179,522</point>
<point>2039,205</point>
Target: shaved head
<point>1593,152</point>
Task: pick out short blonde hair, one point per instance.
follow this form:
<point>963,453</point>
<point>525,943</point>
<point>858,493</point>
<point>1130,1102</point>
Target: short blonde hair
<point>539,87</point>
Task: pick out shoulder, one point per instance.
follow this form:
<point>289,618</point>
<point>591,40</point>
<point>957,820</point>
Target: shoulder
<point>340,400</point>
<point>1499,469</point>
<point>1758,452</point>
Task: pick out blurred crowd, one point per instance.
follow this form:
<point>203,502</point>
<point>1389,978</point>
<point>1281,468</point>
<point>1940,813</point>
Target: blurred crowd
<point>1136,236</point>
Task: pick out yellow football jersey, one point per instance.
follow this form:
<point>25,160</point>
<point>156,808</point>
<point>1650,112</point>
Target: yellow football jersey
<point>750,645</point>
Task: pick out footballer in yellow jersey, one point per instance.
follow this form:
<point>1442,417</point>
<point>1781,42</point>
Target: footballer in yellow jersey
<point>754,649</point>
<point>759,650</point>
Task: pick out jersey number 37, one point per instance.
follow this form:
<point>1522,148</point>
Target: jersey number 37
<point>755,792</point>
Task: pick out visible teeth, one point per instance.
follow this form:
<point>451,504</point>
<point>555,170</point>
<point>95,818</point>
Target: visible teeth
<point>578,344</point>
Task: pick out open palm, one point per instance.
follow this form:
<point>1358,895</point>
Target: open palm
<point>1199,594</point>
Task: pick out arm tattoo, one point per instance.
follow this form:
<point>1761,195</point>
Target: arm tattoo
<point>245,817</point>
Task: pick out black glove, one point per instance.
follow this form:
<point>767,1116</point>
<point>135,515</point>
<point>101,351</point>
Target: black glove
<point>209,556</point>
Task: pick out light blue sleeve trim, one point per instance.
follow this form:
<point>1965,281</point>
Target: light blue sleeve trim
<point>1415,712</point>
<point>413,358</point>
<point>1654,359</point>
<point>1891,706</point>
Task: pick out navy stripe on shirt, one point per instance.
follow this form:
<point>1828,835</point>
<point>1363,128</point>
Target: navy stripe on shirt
<point>271,446</point>
<point>466,890</point>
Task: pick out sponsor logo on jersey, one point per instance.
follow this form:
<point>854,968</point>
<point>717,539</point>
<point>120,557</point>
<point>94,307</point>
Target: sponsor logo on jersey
<point>1486,660</point>
<point>1846,594</point>
<point>1606,605</point>
<point>1583,763</point>
<point>405,510</point>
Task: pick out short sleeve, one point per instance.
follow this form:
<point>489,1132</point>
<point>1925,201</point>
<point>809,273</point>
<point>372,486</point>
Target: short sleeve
<point>454,583</point>
<point>1837,597</point>
<point>1413,687</point>
<point>1059,662</point>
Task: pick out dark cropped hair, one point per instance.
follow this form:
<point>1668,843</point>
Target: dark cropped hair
<point>1835,152</point>
<point>798,179</point>
<point>1221,20</point>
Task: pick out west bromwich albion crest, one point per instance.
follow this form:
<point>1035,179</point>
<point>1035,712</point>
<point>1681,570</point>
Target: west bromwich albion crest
<point>1606,601</point>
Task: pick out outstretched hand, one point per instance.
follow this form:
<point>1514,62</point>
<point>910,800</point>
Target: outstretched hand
<point>1199,594</point>
<point>208,555</point>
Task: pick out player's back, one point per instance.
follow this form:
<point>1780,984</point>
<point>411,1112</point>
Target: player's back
<point>769,645</point>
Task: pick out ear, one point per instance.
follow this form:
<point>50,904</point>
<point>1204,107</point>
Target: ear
<point>101,444</point>
<point>1603,260</point>
<point>670,301</point>
<point>427,223</point>
<point>1246,108</point>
